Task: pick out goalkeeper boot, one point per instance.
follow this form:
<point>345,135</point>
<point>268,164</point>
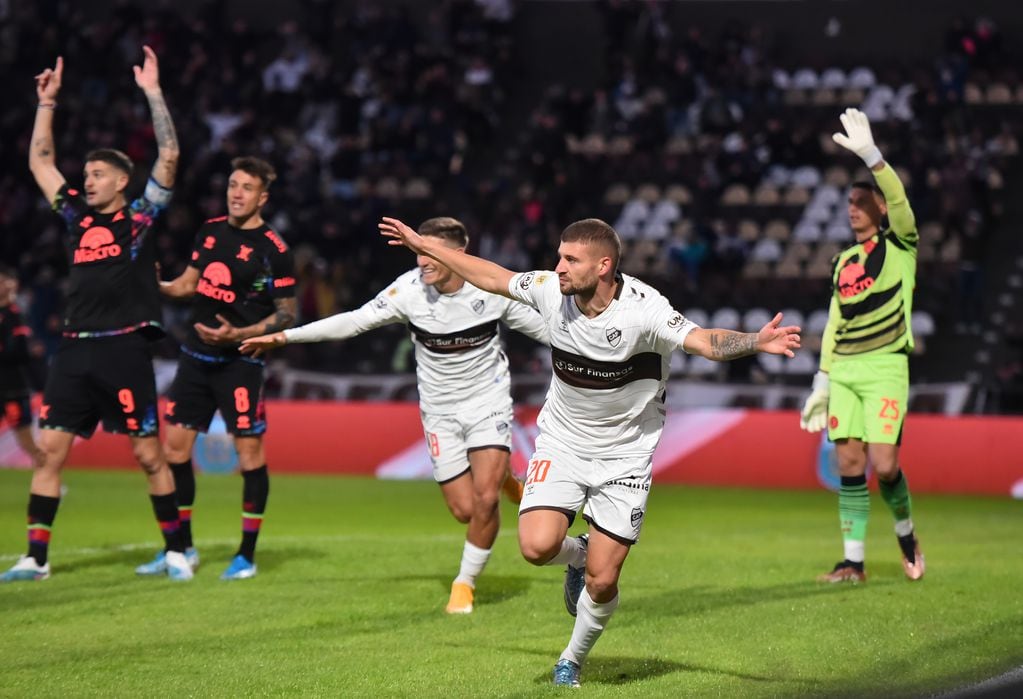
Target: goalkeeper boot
<point>575,580</point>
<point>566,674</point>
<point>461,599</point>
<point>912,557</point>
<point>844,571</point>
<point>239,569</point>
<point>26,569</point>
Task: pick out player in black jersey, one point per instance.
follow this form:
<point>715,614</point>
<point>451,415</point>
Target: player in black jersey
<point>15,389</point>
<point>242,282</point>
<point>103,369</point>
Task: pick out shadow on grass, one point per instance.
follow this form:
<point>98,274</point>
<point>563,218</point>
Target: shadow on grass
<point>697,600</point>
<point>490,589</point>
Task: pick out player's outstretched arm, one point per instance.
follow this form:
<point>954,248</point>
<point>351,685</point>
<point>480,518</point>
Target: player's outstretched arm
<point>483,274</point>
<point>42,156</point>
<point>147,77</point>
<point>722,345</point>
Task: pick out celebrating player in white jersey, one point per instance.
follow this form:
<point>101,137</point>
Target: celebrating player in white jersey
<point>611,338</point>
<point>464,385</point>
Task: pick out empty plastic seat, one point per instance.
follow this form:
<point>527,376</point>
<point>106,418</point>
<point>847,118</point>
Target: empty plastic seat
<point>726,317</point>
<point>777,229</point>
<point>834,78</point>
<point>838,232</point>
<point>766,250</point>
<point>816,322</point>
<point>771,363</point>
<point>650,193</point>
<point>749,230</point>
<point>703,367</point>
<point>792,316</point>
<point>678,194</point>
<point>922,323</point>
<point>677,367</point>
<point>861,77</point>
<point>698,316</point>
<point>617,194</point>
<point>805,79</point>
<point>806,232</point>
<point>766,195</point>
<point>735,195</point>
<point>803,364</point>
<point>755,318</point>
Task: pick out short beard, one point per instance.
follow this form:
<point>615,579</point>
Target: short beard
<point>578,290</point>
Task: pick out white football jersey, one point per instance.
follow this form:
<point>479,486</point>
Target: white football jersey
<point>606,398</point>
<point>460,363</point>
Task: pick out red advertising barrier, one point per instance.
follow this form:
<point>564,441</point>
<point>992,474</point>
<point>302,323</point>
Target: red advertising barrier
<point>748,448</point>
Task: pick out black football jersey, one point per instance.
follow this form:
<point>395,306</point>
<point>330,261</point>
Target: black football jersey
<point>241,273</point>
<point>112,280</point>
<point>14,355</point>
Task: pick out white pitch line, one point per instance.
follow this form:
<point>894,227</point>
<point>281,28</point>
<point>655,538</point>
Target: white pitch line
<point>153,545</point>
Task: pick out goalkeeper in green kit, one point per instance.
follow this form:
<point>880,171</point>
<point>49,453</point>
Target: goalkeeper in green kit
<point>861,390</point>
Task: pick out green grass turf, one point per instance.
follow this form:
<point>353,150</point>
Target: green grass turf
<point>718,600</point>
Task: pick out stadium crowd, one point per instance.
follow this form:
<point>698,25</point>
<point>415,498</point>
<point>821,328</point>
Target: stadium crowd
<point>379,112</point>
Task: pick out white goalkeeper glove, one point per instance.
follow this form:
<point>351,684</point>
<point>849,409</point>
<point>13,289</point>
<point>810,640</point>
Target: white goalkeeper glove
<point>857,137</point>
<point>814,417</point>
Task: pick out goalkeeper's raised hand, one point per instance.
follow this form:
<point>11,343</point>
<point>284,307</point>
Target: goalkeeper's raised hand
<point>857,137</point>
<point>814,417</point>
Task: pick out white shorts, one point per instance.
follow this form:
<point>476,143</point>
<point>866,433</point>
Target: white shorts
<point>611,492</point>
<point>450,438</point>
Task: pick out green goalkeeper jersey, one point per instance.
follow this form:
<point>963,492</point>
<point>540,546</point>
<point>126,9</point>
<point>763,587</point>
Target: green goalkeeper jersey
<point>873,284</point>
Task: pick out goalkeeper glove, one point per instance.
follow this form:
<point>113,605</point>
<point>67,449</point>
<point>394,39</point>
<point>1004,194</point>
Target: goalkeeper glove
<point>857,137</point>
<point>814,417</point>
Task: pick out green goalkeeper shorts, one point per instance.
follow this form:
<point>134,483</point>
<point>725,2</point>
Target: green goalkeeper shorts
<point>868,398</point>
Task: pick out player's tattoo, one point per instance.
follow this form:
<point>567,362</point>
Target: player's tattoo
<point>44,146</point>
<point>283,317</point>
<point>163,126</point>
<point>726,344</point>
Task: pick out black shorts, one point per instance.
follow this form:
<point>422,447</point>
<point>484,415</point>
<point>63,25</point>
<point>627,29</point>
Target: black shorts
<point>17,412</point>
<point>108,379</point>
<point>234,386</point>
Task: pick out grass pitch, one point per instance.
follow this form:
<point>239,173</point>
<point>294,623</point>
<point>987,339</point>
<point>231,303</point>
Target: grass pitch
<point>717,600</point>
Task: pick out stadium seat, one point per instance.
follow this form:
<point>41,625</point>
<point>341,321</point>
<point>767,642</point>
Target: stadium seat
<point>834,78</point>
<point>756,269</point>
<point>950,249</point>
<point>679,194</point>
<point>788,269</point>
<point>796,196</point>
<point>793,316</point>
<point>777,175</point>
<point>755,318</point>
<point>679,145</point>
<point>816,322</point>
<point>780,79</point>
<point>922,323</point>
<point>388,188</point>
<point>749,230</point>
<point>837,176</point>
<point>797,252</point>
<point>805,79</point>
<point>726,317</point>
<point>701,367</point>
<point>649,193</point>
<point>823,97</point>
<point>417,189</point>
<point>851,96</point>
<point>677,366</point>
<point>861,77</point>
<point>617,194</point>
<point>698,316</point>
<point>972,94</point>
<point>771,363</point>
<point>838,232</point>
<point>805,176</point>
<point>766,250</point>
<point>736,195</point>
<point>803,364</point>
<point>766,195</point>
<point>777,229</point>
<point>818,269</point>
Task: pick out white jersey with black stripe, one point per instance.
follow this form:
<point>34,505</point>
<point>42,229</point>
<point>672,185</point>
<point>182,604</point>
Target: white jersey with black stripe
<point>606,398</point>
<point>460,363</point>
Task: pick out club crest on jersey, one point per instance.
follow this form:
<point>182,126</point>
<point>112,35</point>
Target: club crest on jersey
<point>636,517</point>
<point>380,303</point>
<point>477,305</point>
<point>243,253</point>
<point>526,280</point>
<point>614,336</point>
<point>563,325</point>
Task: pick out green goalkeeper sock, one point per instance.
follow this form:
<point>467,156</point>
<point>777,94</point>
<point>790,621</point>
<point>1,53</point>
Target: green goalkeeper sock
<point>853,510</point>
<point>896,494</point>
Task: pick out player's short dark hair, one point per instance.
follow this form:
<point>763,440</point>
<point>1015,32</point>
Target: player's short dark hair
<point>445,228</point>
<point>257,167</point>
<point>112,157</point>
<point>593,230</point>
<point>869,186</point>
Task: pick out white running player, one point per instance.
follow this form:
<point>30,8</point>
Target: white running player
<point>611,339</point>
<point>464,385</point>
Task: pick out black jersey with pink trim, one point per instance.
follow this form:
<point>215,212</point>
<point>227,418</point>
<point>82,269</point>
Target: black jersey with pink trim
<point>14,356</point>
<point>112,285</point>
<point>242,271</point>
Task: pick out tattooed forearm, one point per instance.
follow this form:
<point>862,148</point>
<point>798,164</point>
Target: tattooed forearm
<point>163,126</point>
<point>725,344</point>
<point>283,318</point>
<point>43,147</point>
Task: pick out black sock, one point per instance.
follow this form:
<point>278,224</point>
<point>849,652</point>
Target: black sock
<point>908,545</point>
<point>166,509</point>
<point>184,484</point>
<point>254,494</point>
<point>42,510</point>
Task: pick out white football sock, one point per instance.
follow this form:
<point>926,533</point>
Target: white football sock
<point>904,527</point>
<point>572,552</point>
<point>590,621</point>
<point>854,551</point>
<point>473,561</point>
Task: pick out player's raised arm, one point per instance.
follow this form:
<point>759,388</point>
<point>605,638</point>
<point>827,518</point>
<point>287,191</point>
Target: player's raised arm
<point>483,274</point>
<point>148,78</point>
<point>722,345</point>
<point>42,156</point>
<point>859,139</point>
